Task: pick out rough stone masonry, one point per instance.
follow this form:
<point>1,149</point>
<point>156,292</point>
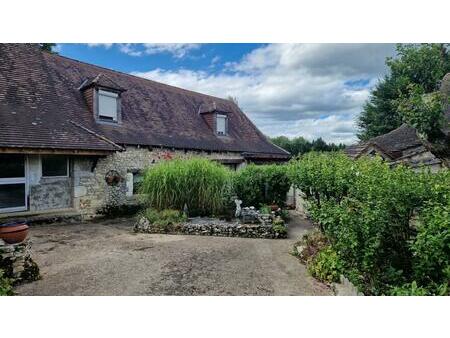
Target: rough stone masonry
<point>16,262</point>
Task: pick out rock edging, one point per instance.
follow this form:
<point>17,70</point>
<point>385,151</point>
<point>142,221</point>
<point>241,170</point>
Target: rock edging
<point>213,227</point>
<point>16,262</point>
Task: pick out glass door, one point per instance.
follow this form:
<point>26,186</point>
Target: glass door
<point>13,195</point>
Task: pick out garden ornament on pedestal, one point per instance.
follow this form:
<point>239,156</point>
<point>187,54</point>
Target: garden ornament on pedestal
<point>185,210</point>
<point>238,208</point>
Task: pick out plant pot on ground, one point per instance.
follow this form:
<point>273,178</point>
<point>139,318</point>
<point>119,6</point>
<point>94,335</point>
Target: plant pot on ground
<point>14,232</point>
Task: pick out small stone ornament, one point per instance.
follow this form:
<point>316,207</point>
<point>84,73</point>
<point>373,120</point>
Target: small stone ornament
<point>238,211</point>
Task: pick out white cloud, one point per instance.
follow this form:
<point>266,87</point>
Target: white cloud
<point>104,45</point>
<point>178,50</point>
<point>294,89</point>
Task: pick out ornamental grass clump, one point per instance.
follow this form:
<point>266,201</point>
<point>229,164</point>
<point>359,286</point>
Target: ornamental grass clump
<point>198,183</point>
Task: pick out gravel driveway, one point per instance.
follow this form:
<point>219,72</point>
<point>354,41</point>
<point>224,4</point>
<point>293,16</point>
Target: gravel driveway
<point>107,258</point>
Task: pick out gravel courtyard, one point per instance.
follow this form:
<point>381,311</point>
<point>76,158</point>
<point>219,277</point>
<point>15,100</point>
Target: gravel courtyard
<point>107,258</point>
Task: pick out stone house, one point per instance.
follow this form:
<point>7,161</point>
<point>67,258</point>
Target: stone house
<point>405,146</point>
<point>75,137</point>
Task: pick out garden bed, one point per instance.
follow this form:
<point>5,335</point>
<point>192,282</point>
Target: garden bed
<point>214,227</point>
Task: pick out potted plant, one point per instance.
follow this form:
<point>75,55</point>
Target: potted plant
<point>14,232</point>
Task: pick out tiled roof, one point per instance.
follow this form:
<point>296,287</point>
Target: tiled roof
<point>392,143</point>
<point>40,96</point>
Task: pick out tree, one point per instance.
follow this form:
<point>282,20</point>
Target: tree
<point>299,145</point>
<point>48,47</point>
<point>423,111</point>
<point>423,65</point>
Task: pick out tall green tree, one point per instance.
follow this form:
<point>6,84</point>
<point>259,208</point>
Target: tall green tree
<point>299,145</point>
<point>48,47</point>
<point>422,65</point>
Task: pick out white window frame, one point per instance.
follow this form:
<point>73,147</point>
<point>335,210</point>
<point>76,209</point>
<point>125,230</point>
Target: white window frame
<point>67,171</point>
<point>225,119</point>
<point>111,95</point>
<point>17,180</point>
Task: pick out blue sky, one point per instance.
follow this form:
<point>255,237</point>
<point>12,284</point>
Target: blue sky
<point>309,90</point>
<point>206,57</point>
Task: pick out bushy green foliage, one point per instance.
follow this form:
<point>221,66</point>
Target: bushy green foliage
<point>299,145</point>
<point>423,65</point>
<point>365,208</point>
<point>322,176</point>
<point>311,243</point>
<point>280,228</point>
<point>409,289</point>
<point>326,266</point>
<point>262,184</point>
<point>5,285</point>
<point>423,112</point>
<point>164,217</point>
<point>199,183</point>
<point>431,248</point>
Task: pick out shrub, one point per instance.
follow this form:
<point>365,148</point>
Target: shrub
<point>280,228</point>
<point>262,184</point>
<point>5,286</point>
<point>164,217</point>
<point>409,289</point>
<point>326,265</point>
<point>199,183</point>
<point>365,208</point>
<point>431,248</point>
<point>322,176</point>
<point>311,243</point>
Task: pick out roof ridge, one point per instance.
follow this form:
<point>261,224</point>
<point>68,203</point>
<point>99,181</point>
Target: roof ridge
<point>137,77</point>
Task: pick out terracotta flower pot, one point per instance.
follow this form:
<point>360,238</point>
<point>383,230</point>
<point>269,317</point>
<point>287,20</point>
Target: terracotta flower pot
<point>13,233</point>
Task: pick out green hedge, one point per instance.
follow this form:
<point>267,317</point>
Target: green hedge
<point>201,184</point>
<point>366,210</point>
<point>256,185</point>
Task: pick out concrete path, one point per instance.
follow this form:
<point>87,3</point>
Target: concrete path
<point>107,258</point>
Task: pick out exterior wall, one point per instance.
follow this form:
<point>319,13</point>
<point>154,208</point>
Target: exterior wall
<point>46,193</point>
<point>91,192</point>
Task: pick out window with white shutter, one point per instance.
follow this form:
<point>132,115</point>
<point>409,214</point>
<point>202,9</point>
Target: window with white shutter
<point>221,124</point>
<point>107,105</point>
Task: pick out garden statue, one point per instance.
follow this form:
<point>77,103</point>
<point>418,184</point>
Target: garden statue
<point>185,210</point>
<point>238,208</point>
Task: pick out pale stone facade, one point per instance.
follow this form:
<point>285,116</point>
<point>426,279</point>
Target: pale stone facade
<point>91,191</point>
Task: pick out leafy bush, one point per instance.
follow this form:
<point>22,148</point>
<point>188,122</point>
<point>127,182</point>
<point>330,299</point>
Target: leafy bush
<point>322,176</point>
<point>5,286</point>
<point>409,289</point>
<point>199,183</point>
<point>262,184</point>
<point>164,217</point>
<point>326,265</point>
<point>431,249</point>
<point>280,228</point>
<point>311,243</point>
<point>365,208</point>
<point>166,220</point>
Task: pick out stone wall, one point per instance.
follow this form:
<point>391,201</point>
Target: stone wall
<point>214,227</point>
<point>16,262</point>
<point>51,194</point>
<point>92,193</point>
<point>47,192</point>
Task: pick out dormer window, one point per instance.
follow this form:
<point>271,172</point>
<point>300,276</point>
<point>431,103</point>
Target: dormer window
<point>103,97</point>
<point>221,124</point>
<point>108,105</point>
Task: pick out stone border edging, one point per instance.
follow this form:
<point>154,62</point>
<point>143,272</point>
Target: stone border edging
<point>211,227</point>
